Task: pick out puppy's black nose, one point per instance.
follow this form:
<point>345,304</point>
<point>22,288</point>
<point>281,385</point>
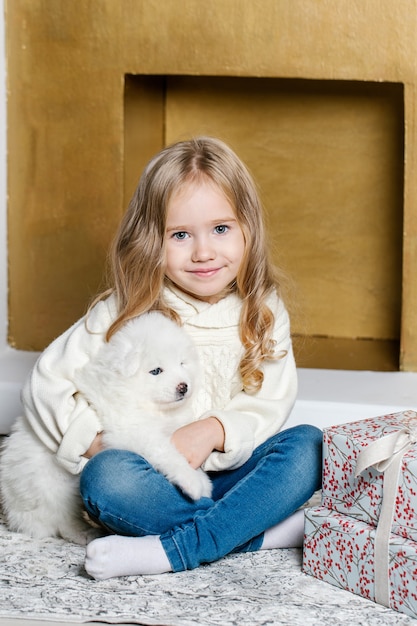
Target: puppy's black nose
<point>182,389</point>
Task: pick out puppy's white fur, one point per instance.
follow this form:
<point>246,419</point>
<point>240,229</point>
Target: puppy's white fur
<point>140,384</point>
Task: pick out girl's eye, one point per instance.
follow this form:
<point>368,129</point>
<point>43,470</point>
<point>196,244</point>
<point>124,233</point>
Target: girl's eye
<point>221,229</point>
<point>180,236</point>
<point>156,371</point>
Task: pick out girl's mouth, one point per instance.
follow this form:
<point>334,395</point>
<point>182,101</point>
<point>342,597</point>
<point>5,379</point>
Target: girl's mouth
<point>205,273</point>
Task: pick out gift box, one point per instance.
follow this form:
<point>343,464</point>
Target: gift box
<point>341,551</point>
<point>354,485</point>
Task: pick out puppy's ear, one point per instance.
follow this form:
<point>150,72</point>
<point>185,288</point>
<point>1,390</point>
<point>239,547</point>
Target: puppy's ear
<point>126,365</point>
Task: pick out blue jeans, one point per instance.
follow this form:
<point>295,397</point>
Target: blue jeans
<point>127,496</point>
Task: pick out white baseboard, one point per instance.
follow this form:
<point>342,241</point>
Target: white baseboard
<point>328,397</point>
<point>15,365</point>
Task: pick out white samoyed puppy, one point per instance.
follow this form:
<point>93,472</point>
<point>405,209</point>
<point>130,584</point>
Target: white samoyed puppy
<point>140,384</point>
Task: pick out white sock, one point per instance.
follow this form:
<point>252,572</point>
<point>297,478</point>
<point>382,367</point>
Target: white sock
<point>126,556</point>
<point>287,534</point>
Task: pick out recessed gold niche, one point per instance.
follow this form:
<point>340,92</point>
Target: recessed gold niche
<point>328,158</point>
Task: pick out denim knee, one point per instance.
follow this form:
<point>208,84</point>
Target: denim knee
<point>123,492</point>
<point>309,439</point>
<point>102,476</point>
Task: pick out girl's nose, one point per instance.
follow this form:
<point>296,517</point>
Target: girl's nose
<point>203,250</point>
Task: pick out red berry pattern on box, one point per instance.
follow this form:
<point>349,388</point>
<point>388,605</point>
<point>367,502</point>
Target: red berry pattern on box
<point>340,550</point>
<point>361,497</point>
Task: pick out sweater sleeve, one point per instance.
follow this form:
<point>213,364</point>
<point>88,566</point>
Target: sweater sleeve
<point>61,417</point>
<point>250,419</point>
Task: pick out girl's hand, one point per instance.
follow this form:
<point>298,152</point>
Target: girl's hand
<point>196,441</point>
<point>96,446</point>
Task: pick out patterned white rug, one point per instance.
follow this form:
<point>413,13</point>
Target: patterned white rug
<point>46,580</point>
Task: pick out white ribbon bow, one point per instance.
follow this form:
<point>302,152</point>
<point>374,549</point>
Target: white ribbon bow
<point>385,455</point>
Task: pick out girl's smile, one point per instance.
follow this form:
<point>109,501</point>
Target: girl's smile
<point>204,243</point>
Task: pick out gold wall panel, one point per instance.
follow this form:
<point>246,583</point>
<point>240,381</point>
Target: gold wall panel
<point>328,156</point>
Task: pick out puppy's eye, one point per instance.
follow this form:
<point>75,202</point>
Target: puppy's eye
<point>156,371</point>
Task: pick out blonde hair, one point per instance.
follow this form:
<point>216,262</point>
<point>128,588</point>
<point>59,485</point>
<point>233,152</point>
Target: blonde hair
<point>137,254</point>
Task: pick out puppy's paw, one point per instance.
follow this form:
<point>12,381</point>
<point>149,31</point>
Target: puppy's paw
<point>196,485</point>
<point>206,485</point>
<point>80,533</point>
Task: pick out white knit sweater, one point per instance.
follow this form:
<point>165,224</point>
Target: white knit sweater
<point>67,425</point>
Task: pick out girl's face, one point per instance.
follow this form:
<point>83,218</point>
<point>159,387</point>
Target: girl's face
<point>204,243</point>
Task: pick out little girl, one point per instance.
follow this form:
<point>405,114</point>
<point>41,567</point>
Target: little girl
<point>192,245</point>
